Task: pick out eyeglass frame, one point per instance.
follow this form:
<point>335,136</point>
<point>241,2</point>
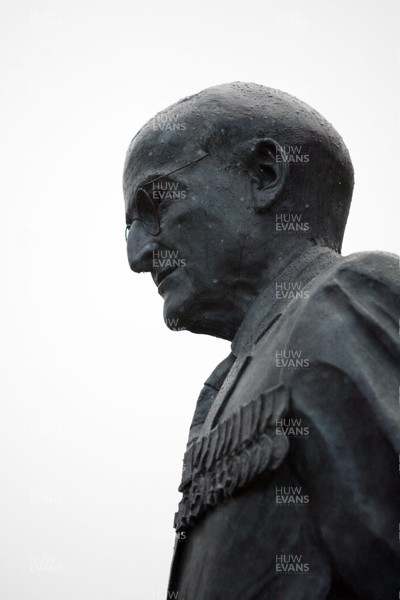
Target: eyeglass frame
<point>127,228</point>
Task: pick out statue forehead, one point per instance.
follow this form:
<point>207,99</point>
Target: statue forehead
<point>166,142</point>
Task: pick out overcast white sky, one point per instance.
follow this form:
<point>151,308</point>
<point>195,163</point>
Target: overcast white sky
<point>96,393</point>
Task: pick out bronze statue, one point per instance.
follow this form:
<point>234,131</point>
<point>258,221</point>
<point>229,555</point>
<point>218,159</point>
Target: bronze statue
<point>236,203</point>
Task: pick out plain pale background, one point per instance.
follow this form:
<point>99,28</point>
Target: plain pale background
<point>96,393</point>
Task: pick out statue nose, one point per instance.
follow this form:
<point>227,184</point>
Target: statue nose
<point>140,248</point>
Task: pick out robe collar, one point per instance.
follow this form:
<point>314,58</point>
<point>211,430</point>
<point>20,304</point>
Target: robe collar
<point>267,308</point>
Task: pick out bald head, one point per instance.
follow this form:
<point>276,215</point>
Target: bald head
<point>210,184</point>
<point>228,120</point>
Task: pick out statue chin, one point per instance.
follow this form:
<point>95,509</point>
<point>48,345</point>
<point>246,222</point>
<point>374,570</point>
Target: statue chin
<point>176,313</point>
<point>185,309</point>
<point>182,317</point>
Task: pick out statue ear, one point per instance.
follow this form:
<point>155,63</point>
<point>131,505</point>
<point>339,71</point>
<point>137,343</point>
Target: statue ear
<point>269,171</point>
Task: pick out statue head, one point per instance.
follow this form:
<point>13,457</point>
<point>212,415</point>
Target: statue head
<point>222,190</point>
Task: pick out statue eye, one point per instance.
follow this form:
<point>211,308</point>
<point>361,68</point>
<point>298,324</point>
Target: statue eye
<point>160,190</point>
<point>166,190</point>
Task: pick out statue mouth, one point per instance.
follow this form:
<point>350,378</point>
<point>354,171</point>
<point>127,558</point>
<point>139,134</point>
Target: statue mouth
<point>159,276</point>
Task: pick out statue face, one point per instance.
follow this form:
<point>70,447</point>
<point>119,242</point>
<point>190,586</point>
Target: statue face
<point>195,259</point>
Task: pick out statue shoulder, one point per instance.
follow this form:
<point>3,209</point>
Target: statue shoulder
<point>354,304</point>
<point>362,278</point>
<point>376,265</point>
